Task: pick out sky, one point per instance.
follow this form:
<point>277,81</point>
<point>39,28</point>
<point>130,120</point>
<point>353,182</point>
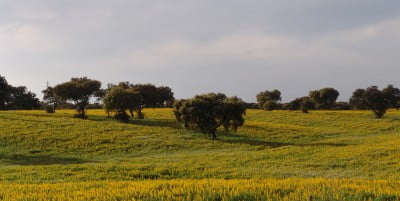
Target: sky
<point>196,46</point>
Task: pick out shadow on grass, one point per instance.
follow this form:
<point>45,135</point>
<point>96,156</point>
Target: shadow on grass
<point>155,122</point>
<point>241,139</point>
<point>141,122</point>
<point>21,159</point>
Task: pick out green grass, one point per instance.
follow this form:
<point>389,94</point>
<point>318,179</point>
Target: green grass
<point>36,147</point>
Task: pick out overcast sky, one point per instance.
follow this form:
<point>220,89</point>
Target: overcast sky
<point>239,47</point>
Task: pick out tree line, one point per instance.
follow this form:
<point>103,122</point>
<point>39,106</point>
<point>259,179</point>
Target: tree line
<point>371,98</point>
<point>204,112</point>
<point>116,98</point>
<point>12,98</point>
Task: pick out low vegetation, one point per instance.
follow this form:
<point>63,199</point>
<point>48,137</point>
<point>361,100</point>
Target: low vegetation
<point>334,155</point>
<point>210,189</point>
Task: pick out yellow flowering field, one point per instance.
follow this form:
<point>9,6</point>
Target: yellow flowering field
<point>264,189</point>
<point>279,155</point>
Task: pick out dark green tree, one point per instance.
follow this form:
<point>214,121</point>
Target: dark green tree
<point>393,95</point>
<point>233,110</point>
<point>358,100</point>
<point>377,101</point>
<point>149,93</point>
<point>306,104</point>
<point>121,98</point>
<point>21,98</point>
<point>207,112</point>
<point>270,105</point>
<point>165,97</point>
<point>78,90</point>
<point>267,100</point>
<point>153,96</point>
<point>4,93</point>
<point>324,98</point>
<point>294,104</point>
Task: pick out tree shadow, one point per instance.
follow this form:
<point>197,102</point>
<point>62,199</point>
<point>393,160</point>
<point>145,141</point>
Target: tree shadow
<point>255,142</point>
<point>155,123</point>
<point>241,139</point>
<point>141,122</point>
<point>19,119</point>
<point>21,159</point>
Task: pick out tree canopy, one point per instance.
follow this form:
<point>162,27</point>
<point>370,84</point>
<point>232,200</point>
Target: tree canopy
<point>324,98</point>
<point>377,101</point>
<point>78,90</point>
<point>14,98</point>
<point>207,112</point>
<point>267,99</point>
<point>121,98</point>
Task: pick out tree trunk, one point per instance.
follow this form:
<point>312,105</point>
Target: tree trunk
<point>83,115</point>
<point>140,115</point>
<point>214,136</point>
<point>131,112</point>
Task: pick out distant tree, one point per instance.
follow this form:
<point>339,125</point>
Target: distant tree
<point>324,98</point>
<point>393,95</point>
<point>21,98</point>
<point>4,93</point>
<point>207,112</point>
<point>294,104</point>
<point>341,106</point>
<point>306,104</point>
<point>153,96</point>
<point>377,101</point>
<point>78,90</point>
<point>267,100</point>
<point>165,97</point>
<point>270,105</point>
<point>50,99</point>
<point>149,93</point>
<point>251,105</point>
<point>121,98</point>
<point>15,98</point>
<point>358,100</point>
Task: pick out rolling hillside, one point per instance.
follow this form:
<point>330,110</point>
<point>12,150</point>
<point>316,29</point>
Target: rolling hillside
<point>39,149</point>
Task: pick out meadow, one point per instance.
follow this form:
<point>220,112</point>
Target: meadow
<point>279,155</point>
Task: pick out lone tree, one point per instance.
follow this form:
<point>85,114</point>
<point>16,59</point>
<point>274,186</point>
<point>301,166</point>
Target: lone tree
<point>268,100</point>
<point>377,101</point>
<point>324,98</point>
<point>207,112</point>
<point>121,98</point>
<point>78,90</point>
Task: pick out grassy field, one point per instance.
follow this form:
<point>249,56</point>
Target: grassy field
<point>288,155</point>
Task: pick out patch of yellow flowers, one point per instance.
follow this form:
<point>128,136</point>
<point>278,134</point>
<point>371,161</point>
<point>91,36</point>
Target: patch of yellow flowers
<point>214,189</point>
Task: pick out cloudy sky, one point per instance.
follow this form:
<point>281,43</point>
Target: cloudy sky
<point>233,46</point>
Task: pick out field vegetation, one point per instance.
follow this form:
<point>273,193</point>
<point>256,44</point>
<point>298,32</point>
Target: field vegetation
<point>322,155</point>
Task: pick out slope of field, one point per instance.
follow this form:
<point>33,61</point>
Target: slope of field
<point>36,147</point>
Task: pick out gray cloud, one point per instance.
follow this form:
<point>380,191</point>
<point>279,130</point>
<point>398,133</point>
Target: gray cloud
<point>237,47</point>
